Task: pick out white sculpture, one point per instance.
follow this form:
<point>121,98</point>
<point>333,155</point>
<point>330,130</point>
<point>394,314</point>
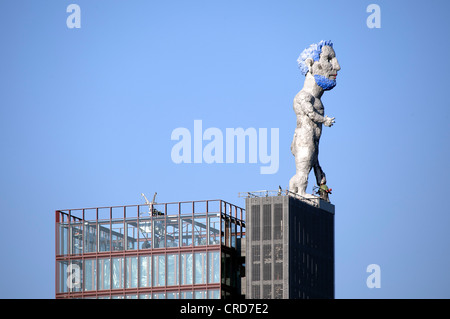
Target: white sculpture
<point>320,66</point>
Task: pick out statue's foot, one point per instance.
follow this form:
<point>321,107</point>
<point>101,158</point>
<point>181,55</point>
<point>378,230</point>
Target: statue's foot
<point>305,195</point>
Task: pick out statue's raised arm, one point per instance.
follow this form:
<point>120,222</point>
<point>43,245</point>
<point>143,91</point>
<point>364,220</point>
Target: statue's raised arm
<point>319,65</point>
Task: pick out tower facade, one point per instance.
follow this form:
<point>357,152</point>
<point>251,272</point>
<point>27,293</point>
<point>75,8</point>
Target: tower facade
<point>289,247</point>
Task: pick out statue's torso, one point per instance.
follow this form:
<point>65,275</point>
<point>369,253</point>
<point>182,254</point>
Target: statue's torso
<point>305,126</point>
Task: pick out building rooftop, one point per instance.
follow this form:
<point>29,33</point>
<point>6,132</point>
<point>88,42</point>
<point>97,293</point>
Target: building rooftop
<point>309,199</point>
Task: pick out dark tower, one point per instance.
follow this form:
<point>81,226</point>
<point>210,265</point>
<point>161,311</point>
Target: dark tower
<point>289,247</point>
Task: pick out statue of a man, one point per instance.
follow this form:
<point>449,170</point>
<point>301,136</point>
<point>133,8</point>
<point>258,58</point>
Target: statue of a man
<point>320,66</point>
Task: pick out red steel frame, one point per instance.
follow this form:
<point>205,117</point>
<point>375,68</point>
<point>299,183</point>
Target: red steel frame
<point>227,211</point>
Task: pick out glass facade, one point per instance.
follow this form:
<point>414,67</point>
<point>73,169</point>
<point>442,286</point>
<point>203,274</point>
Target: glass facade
<point>166,251</point>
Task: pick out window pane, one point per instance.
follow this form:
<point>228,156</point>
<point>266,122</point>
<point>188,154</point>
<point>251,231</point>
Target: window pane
<point>131,272</point>
<point>90,237</point>
<point>159,270</point>
<point>200,294</point>
<point>223,234</point>
<point>117,235</point>
<point>64,239</point>
<point>200,234</point>
<point>214,294</point>
<point>77,239</point>
<point>186,295</point>
<point>214,267</point>
<point>62,277</point>
<point>145,271</point>
<point>104,236</point>
<point>104,273</point>
<point>226,269</point>
<point>159,230</point>
<point>145,233</point>
<point>159,296</point>
<point>228,232</point>
<point>186,269</point>
<point>214,229</point>
<point>117,273</point>
<point>90,274</point>
<point>172,269</point>
<point>186,231</point>
<point>71,275</point>
<point>172,295</point>
<point>200,268</point>
<point>172,231</point>
<point>132,235</point>
<point>233,234</point>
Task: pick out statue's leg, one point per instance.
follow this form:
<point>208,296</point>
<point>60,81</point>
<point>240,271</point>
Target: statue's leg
<point>296,184</point>
<point>303,163</point>
<point>293,181</point>
<point>318,172</point>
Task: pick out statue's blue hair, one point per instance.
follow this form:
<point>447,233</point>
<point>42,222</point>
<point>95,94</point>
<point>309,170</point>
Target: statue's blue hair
<point>313,51</point>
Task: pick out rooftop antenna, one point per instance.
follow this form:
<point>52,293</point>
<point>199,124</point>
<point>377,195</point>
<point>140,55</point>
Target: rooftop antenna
<point>145,226</point>
<point>152,210</point>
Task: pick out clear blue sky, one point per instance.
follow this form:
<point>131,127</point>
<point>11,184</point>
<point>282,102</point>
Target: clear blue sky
<point>86,117</point>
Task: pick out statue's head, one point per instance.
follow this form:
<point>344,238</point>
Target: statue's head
<point>320,60</point>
